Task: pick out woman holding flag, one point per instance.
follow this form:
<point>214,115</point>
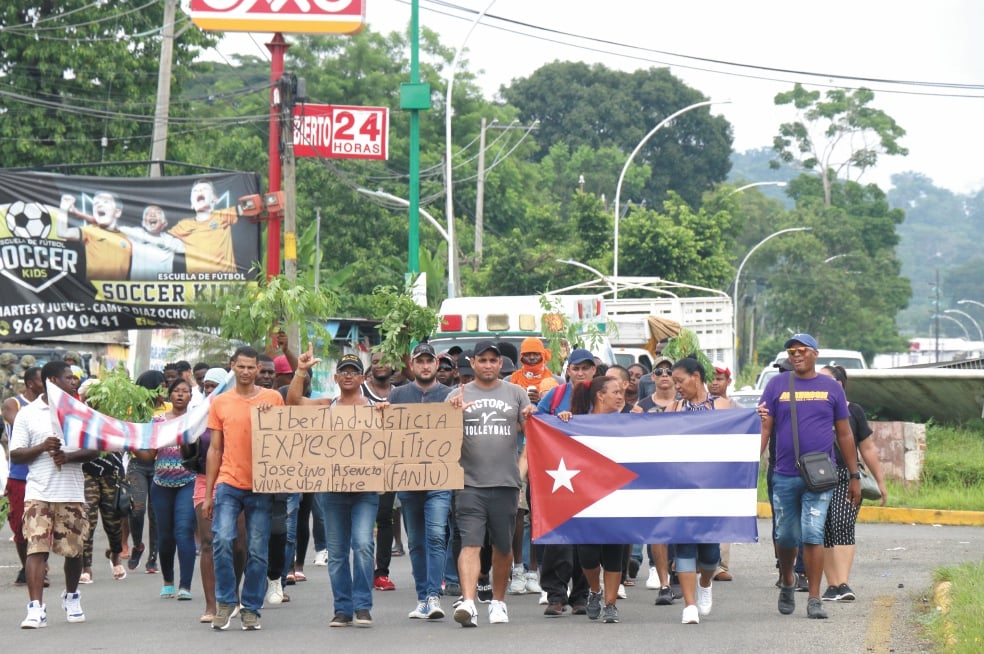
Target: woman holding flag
<point>690,379</point>
<point>601,395</point>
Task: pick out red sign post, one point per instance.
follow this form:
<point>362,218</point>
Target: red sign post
<point>341,132</point>
<point>292,16</point>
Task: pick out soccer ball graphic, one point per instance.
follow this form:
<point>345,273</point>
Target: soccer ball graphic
<point>28,220</point>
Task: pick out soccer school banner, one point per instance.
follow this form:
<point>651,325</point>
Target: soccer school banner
<point>84,428</point>
<point>88,254</point>
<point>644,478</point>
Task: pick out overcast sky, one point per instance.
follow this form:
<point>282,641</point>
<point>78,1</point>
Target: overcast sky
<point>935,43</point>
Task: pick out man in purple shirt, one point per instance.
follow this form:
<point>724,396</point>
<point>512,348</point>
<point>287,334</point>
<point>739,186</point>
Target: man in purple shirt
<point>821,408</point>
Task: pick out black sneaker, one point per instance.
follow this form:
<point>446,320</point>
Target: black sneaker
<point>633,568</point>
<point>815,610</point>
<point>830,595</point>
<point>555,610</point>
<point>341,620</point>
<point>484,590</point>
<point>802,584</point>
<point>579,609</point>
<point>845,593</point>
<point>451,589</point>
<point>363,618</point>
<point>21,578</point>
<point>665,597</point>
<point>151,566</point>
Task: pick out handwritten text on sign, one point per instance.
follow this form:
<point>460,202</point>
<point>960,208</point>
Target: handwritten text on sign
<point>310,449</point>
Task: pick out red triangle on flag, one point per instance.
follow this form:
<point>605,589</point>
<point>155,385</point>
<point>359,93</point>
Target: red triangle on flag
<point>566,477</point>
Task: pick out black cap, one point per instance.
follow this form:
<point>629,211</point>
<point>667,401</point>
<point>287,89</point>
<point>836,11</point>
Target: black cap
<point>485,346</point>
<point>350,361</point>
<point>422,349</point>
<point>508,367</point>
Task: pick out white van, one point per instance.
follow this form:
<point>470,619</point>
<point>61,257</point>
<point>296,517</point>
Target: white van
<point>511,318</point>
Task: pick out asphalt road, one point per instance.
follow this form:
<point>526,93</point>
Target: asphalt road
<point>892,577</point>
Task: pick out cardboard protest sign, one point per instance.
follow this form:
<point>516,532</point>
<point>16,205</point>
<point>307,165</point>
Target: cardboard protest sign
<point>311,449</point>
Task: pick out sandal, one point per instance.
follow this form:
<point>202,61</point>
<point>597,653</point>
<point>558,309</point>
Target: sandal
<point>184,594</point>
<point>167,592</point>
<point>206,617</point>
<point>85,578</point>
<point>135,553</point>
<point>119,572</point>
<point>397,551</point>
<point>299,576</point>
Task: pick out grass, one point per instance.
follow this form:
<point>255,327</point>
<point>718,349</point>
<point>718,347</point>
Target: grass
<point>958,628</point>
<point>952,477</point>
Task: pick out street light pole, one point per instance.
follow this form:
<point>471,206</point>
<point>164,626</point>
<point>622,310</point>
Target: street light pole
<point>754,184</point>
<point>952,319</point>
<point>980,332</point>
<point>404,203</point>
<point>625,168</point>
<point>734,299</point>
<point>980,304</point>
<point>449,183</point>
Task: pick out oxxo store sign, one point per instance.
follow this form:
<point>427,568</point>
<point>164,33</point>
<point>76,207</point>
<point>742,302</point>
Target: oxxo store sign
<point>341,131</point>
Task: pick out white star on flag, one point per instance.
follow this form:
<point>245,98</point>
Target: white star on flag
<point>562,477</point>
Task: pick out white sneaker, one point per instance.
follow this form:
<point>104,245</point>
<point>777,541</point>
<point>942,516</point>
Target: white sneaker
<point>37,616</point>
<point>72,603</point>
<point>419,613</point>
<point>498,613</point>
<point>465,614</point>
<point>621,592</point>
<point>533,582</point>
<point>517,583</point>
<point>321,558</point>
<point>704,599</point>
<point>543,598</point>
<point>691,615</point>
<point>274,593</point>
<point>652,583</point>
<point>434,610</point>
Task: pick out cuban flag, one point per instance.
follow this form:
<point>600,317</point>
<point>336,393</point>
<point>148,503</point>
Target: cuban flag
<point>85,428</point>
<point>644,478</point>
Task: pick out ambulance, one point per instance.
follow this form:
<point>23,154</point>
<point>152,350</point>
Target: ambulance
<point>511,318</point>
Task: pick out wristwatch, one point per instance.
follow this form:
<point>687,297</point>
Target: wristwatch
<point>855,475</point>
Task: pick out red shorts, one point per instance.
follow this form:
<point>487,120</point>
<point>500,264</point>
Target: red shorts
<point>15,495</point>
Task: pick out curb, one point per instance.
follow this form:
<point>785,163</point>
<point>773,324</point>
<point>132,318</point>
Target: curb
<point>906,516</point>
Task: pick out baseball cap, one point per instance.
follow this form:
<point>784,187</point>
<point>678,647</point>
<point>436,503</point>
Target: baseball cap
<point>445,359</point>
<point>661,360</point>
<point>508,367</point>
<point>423,349</point>
<point>485,346</point>
<point>579,356</point>
<point>804,339</point>
<point>350,361</point>
<point>280,365</point>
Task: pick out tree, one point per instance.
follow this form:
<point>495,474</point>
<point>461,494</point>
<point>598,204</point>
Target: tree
<point>597,107</point>
<point>836,134</point>
<point>79,79</point>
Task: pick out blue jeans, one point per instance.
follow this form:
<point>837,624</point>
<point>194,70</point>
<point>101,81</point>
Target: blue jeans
<point>800,513</point>
<point>425,514</point>
<point>176,522</point>
<point>293,504</point>
<point>349,519</point>
<point>229,503</point>
<point>690,556</point>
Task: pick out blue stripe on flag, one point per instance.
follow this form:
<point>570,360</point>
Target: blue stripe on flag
<point>694,474</point>
<point>651,530</point>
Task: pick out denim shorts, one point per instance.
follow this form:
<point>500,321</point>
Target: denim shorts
<point>800,513</point>
<point>690,555</point>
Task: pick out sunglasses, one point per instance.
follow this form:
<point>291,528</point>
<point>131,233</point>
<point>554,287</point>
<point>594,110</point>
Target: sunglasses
<point>348,372</point>
<point>791,351</point>
<point>445,368</point>
<point>659,372</point>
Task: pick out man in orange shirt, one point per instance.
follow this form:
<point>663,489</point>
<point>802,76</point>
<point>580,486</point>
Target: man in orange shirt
<point>208,235</point>
<point>229,472</point>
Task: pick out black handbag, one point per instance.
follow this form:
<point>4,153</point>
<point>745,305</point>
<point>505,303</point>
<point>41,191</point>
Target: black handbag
<point>816,468</point>
<point>123,498</point>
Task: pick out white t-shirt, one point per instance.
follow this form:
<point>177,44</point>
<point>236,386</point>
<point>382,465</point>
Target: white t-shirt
<point>45,481</point>
<point>153,254</point>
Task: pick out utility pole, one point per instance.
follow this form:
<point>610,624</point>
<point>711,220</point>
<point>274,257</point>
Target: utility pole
<point>158,151</point>
<point>480,200</point>
<point>288,87</point>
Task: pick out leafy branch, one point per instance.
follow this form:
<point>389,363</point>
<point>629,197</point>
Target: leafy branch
<point>404,322</point>
<point>115,395</point>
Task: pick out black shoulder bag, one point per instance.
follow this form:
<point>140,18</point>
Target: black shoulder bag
<point>817,470</point>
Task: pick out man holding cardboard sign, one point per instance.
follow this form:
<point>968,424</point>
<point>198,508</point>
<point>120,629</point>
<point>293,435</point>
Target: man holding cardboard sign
<point>425,512</point>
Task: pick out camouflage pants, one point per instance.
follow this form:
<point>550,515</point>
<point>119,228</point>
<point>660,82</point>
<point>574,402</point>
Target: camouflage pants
<point>59,527</point>
<point>100,496</point>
